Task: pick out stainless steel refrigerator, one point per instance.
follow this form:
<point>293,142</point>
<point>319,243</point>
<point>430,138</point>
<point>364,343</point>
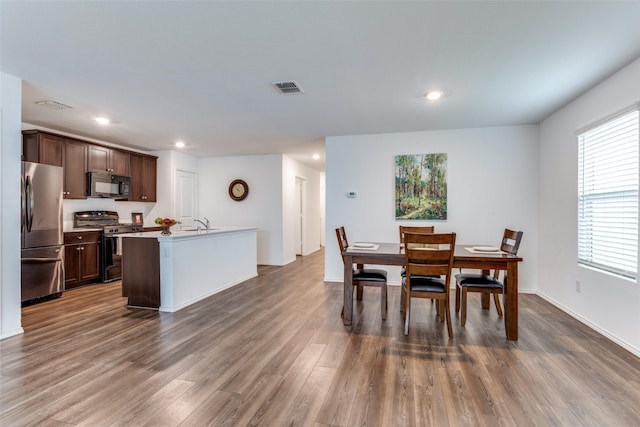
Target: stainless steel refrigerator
<point>41,228</point>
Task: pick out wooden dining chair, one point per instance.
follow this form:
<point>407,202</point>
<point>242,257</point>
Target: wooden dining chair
<point>484,283</point>
<point>365,276</point>
<point>428,264</point>
<point>411,229</point>
<point>415,229</point>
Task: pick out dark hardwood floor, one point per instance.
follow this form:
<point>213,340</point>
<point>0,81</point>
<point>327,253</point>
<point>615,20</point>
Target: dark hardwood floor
<point>273,351</point>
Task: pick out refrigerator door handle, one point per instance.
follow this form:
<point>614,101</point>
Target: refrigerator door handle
<point>23,204</point>
<point>29,189</point>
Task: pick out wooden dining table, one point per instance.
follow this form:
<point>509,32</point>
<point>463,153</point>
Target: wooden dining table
<point>393,254</point>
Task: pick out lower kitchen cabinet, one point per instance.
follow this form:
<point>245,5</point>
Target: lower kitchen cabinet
<point>81,258</point>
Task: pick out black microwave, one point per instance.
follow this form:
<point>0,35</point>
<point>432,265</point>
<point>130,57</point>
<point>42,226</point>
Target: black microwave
<point>108,186</point>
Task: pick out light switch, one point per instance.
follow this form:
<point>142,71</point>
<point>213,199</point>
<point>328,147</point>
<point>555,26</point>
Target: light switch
<point>352,194</point>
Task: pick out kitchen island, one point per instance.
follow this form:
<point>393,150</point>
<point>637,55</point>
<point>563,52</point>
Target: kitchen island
<point>172,272</point>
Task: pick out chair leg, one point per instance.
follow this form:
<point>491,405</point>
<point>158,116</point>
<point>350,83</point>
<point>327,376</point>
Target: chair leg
<point>496,299</point>
<point>407,312</point>
<point>447,313</point>
<point>360,292</point>
<point>383,301</point>
<point>402,301</point>
<point>457,298</point>
<point>463,316</point>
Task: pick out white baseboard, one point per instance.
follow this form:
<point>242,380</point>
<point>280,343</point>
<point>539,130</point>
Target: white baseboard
<point>593,326</point>
<point>12,333</point>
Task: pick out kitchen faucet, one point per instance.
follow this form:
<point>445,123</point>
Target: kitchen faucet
<point>207,224</point>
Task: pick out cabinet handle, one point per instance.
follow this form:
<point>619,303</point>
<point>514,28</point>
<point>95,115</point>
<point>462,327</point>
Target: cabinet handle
<point>82,248</point>
<point>78,248</point>
<point>79,237</point>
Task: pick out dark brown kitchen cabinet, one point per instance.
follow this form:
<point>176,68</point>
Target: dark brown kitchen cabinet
<point>143,178</point>
<point>40,147</point>
<point>104,159</point>
<point>81,258</point>
<point>78,157</point>
<point>75,170</point>
<point>141,272</point>
<point>57,150</point>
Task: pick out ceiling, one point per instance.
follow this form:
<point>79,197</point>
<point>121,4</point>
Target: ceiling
<point>201,72</point>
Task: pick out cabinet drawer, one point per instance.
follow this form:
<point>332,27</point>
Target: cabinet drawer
<point>75,237</point>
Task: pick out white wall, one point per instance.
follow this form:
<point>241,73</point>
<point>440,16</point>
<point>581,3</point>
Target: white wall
<point>606,302</point>
<point>492,184</point>
<point>262,208</point>
<point>323,209</point>
<point>10,153</point>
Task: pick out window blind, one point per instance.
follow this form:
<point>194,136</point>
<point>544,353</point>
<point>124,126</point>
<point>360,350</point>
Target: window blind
<point>608,195</point>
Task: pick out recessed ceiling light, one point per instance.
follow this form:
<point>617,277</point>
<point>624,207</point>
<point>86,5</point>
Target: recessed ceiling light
<point>316,156</point>
<point>179,144</point>
<point>102,120</point>
<point>434,95</point>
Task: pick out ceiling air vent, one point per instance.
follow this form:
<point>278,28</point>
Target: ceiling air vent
<point>287,88</point>
<point>54,105</point>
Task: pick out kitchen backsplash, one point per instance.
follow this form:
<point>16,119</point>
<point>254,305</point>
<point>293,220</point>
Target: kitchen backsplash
<point>124,209</point>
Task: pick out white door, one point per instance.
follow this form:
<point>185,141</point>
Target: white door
<point>298,215</point>
<point>186,198</point>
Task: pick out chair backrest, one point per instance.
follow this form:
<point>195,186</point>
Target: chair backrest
<point>510,244</point>
<point>511,241</point>
<point>411,229</point>
<point>341,234</point>
<point>429,254</point>
<point>343,242</point>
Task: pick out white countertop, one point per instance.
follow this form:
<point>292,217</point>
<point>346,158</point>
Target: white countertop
<point>188,234</point>
<point>81,229</point>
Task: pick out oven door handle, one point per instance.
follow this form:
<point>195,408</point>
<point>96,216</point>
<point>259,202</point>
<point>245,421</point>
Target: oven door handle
<point>40,260</point>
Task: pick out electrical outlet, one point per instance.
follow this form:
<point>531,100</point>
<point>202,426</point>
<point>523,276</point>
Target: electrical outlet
<point>578,289</point>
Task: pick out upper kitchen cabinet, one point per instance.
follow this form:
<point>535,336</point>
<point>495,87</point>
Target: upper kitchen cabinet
<point>143,178</point>
<point>40,147</point>
<point>56,150</point>
<point>104,159</point>
<point>75,170</point>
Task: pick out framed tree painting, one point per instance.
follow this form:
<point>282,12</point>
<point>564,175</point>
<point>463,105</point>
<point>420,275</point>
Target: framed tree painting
<point>421,186</point>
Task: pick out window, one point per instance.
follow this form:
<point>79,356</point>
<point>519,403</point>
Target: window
<point>608,194</point>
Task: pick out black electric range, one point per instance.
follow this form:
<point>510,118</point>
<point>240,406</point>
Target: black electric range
<point>111,247</point>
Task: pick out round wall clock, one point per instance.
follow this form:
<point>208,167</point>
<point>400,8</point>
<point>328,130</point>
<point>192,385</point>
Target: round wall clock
<point>238,190</point>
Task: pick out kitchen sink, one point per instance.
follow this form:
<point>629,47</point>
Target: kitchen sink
<point>202,230</point>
